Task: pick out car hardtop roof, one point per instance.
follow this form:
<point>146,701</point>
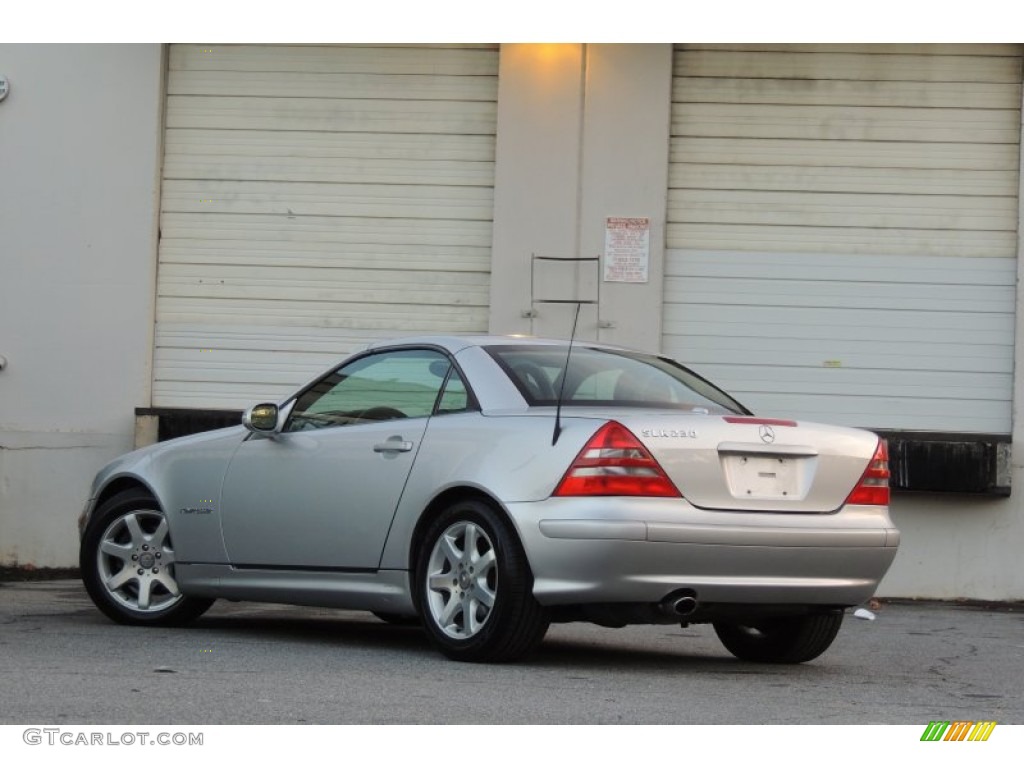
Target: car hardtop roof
<point>456,343</point>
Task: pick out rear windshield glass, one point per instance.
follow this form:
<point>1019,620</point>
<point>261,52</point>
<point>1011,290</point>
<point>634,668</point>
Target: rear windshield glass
<point>608,377</point>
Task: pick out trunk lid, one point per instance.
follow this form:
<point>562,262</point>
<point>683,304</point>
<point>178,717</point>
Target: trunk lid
<point>747,463</point>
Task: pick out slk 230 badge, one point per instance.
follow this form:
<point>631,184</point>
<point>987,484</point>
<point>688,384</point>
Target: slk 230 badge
<point>669,433</point>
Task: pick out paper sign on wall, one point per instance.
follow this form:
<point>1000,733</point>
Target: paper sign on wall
<point>627,249</point>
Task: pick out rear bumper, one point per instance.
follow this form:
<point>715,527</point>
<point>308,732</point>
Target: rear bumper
<point>641,550</point>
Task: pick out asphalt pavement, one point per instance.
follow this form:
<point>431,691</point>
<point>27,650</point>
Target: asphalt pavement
<point>61,661</point>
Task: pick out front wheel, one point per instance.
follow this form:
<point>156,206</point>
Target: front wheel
<point>127,564</point>
<point>790,640</point>
<point>474,587</point>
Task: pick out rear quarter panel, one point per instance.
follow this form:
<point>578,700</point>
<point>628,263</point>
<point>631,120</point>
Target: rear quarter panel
<point>507,457</point>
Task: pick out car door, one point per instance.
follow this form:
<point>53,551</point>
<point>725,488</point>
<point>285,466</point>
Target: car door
<point>322,492</point>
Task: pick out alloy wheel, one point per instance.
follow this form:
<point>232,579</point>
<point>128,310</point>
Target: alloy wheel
<point>135,562</point>
<point>462,580</point>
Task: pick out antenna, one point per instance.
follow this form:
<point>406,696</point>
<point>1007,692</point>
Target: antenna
<point>565,375</point>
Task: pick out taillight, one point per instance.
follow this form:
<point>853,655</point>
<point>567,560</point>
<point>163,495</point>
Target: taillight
<point>873,487</point>
<point>615,463</point>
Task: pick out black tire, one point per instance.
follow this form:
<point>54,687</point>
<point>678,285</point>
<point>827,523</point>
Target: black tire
<point>490,568</point>
<point>128,534</point>
<point>790,640</point>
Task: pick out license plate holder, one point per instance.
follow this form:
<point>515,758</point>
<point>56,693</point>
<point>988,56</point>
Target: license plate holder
<point>763,477</point>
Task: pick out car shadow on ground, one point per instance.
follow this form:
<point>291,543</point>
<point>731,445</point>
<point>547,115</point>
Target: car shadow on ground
<point>603,649</point>
<point>370,634</point>
<point>567,654</point>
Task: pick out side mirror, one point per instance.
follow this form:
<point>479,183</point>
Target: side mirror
<point>261,419</point>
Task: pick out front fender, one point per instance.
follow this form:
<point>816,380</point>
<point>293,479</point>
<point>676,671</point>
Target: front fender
<point>185,477</point>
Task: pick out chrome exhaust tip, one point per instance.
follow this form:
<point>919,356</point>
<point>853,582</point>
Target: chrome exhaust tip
<point>681,603</point>
<point>684,606</point>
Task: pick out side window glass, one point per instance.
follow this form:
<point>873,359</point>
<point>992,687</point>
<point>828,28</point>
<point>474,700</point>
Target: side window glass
<point>398,384</point>
<point>455,397</point>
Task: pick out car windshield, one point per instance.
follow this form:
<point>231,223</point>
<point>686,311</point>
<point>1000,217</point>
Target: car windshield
<point>605,377</point>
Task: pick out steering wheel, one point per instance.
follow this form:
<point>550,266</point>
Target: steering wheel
<point>302,422</point>
<point>535,380</point>
<point>380,413</point>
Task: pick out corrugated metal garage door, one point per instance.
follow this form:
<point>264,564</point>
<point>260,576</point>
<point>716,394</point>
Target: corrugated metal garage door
<point>316,198</point>
<point>842,229</point>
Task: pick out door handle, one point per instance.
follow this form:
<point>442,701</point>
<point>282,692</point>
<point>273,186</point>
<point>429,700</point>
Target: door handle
<point>397,445</point>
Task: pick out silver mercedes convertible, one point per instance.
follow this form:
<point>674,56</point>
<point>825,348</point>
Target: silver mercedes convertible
<point>488,486</point>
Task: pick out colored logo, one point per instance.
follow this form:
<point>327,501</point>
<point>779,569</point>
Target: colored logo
<point>958,730</point>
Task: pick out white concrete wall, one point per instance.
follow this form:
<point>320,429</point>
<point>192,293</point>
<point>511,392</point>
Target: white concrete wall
<point>582,135</point>
<point>79,167</point>
<point>536,177</point>
<point>625,173</point>
<point>959,547</point>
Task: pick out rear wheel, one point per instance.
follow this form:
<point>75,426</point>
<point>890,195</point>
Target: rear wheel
<point>127,563</point>
<point>789,640</point>
<point>474,586</point>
